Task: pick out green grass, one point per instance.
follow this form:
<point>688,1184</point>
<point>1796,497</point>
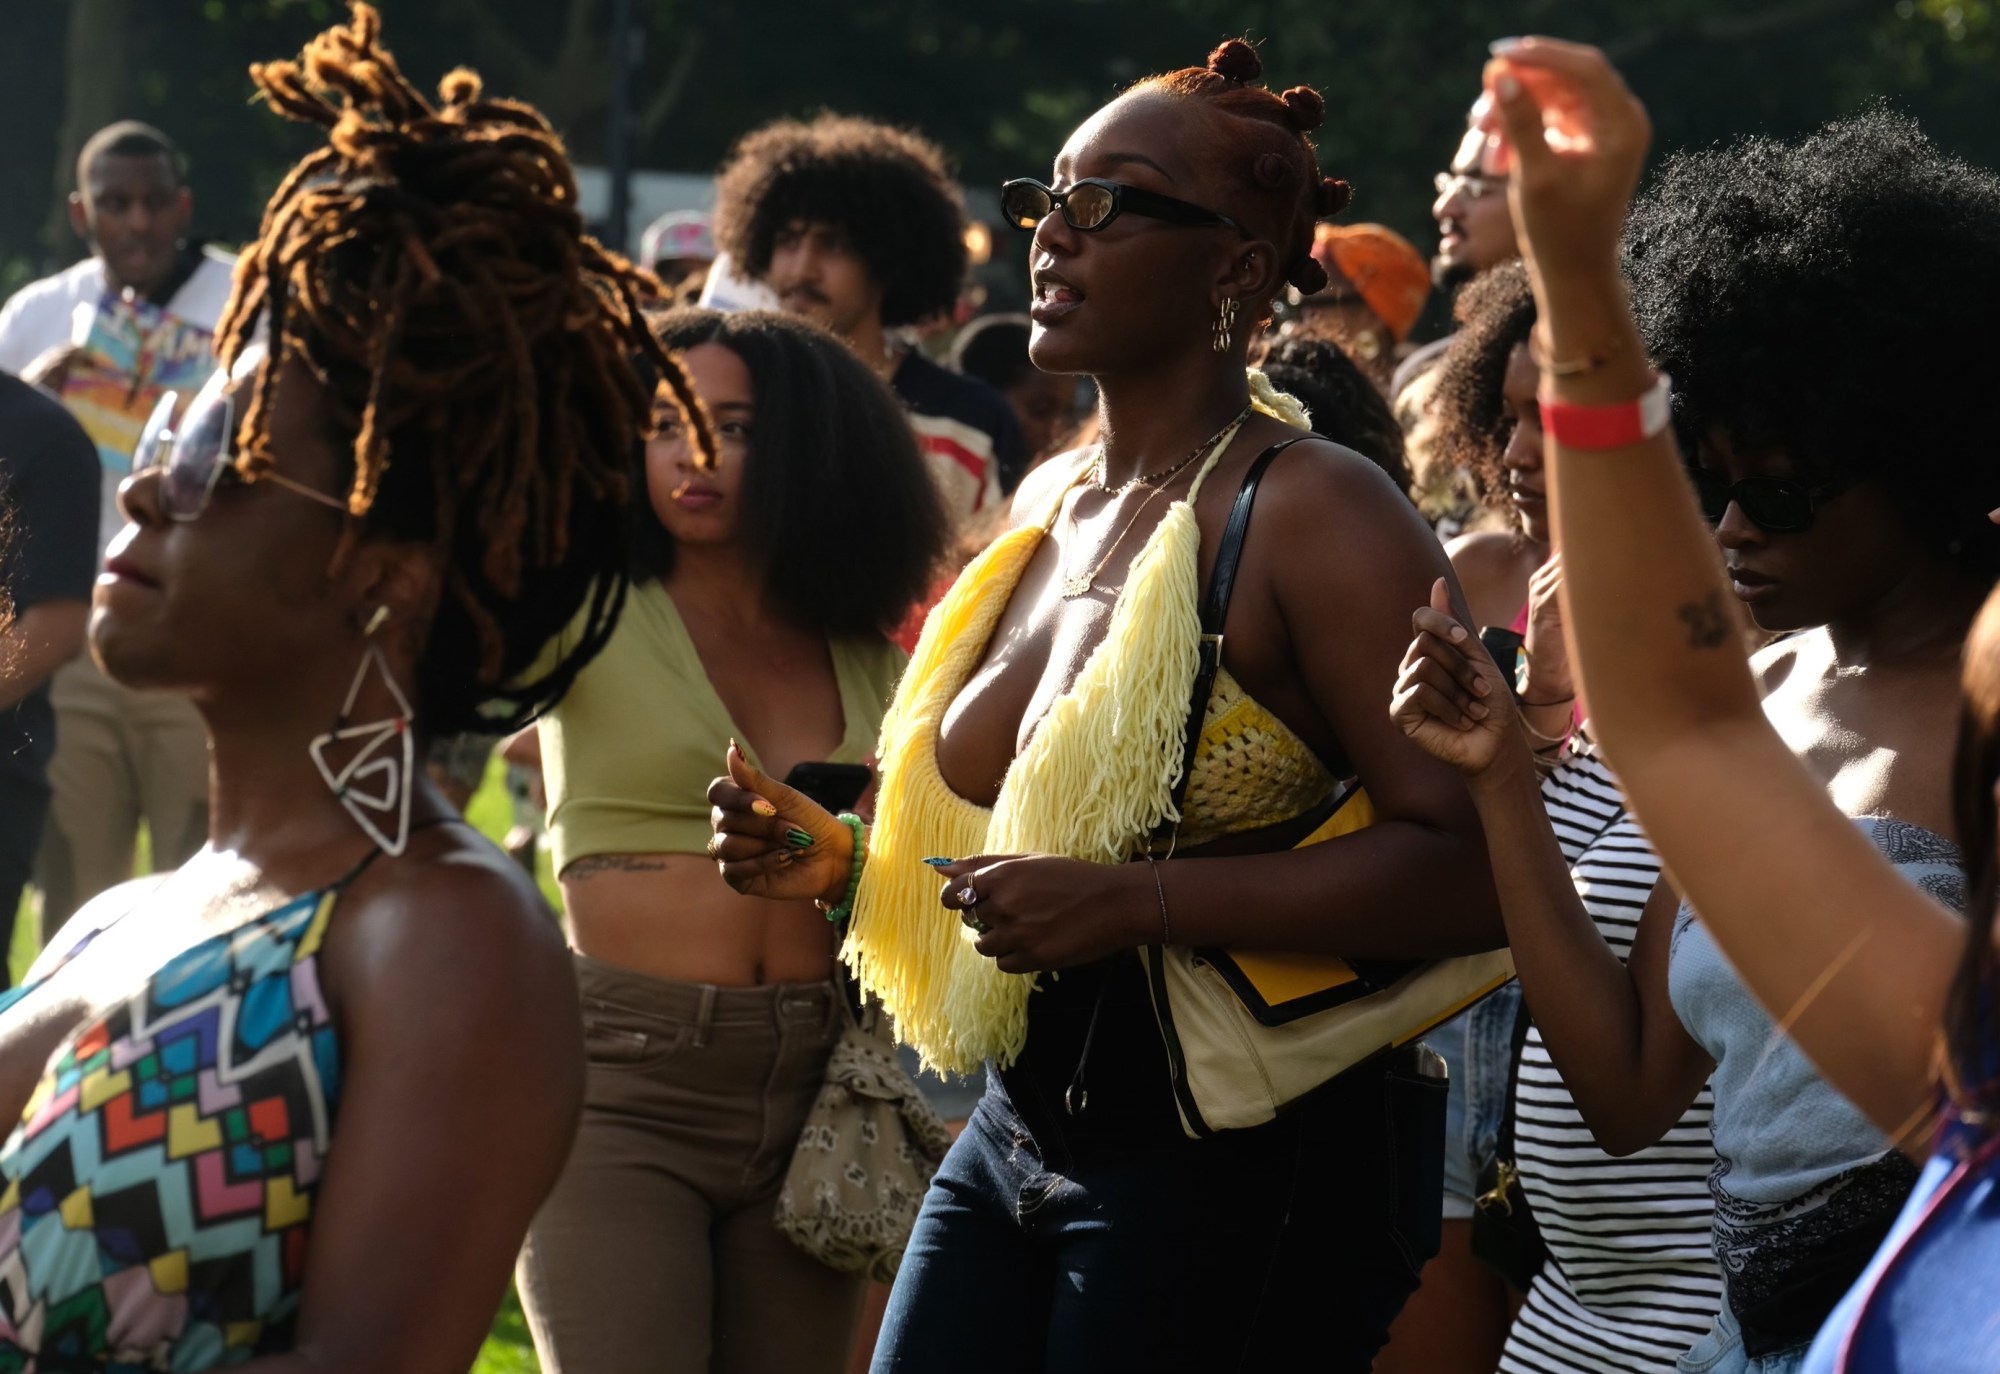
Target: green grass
<point>508,1349</point>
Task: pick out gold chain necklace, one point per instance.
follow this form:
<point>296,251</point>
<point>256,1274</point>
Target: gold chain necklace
<point>1080,584</point>
<point>1164,474</point>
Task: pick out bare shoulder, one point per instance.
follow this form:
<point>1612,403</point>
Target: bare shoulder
<point>1786,660</point>
<point>1330,502</point>
<point>1483,553</point>
<point>1494,568</point>
<point>454,919</point>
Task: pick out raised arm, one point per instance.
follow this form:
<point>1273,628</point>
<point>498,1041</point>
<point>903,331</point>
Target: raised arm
<point>1852,960</point>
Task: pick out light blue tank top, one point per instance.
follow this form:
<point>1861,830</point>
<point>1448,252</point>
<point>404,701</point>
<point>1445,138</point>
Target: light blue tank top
<point>1804,1184</point>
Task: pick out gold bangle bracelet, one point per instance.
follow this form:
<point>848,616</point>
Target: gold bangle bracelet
<point>1538,349</point>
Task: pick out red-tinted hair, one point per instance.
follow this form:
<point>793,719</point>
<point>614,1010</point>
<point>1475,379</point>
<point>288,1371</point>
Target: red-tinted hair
<point>1270,151</point>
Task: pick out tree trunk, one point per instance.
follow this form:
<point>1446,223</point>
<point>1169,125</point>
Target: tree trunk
<point>97,89</point>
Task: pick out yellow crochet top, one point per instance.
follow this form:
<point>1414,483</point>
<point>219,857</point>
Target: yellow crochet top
<point>1095,779</point>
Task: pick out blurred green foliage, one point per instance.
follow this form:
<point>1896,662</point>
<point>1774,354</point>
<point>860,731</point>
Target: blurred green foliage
<point>999,84</point>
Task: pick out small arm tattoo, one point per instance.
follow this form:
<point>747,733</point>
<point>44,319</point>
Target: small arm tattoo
<point>615,863</point>
<point>1707,622</point>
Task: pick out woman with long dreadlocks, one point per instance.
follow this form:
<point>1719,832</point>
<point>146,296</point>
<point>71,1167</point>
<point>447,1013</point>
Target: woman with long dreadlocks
<point>293,1105</point>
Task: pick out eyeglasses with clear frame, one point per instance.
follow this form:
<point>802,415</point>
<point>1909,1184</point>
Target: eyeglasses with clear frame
<point>1471,185</point>
<point>194,457</point>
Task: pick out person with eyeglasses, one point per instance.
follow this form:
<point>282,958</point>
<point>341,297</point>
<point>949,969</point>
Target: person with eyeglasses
<point>1474,235</point>
<point>1475,231</point>
<point>293,1104</point>
<point>1000,901</point>
<point>1847,486</point>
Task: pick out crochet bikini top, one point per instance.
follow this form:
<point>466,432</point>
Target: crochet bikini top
<point>1094,780</point>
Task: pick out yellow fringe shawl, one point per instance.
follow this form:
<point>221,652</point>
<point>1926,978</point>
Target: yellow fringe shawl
<point>1096,777</point>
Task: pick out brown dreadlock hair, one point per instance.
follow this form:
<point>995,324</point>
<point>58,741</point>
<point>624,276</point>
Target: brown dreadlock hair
<point>1269,146</point>
<point>485,361</point>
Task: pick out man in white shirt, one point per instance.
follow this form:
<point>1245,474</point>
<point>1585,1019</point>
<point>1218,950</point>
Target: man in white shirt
<point>110,335</point>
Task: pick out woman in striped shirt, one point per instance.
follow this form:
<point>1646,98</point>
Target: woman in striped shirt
<point>1631,1280</point>
<point>1859,538</point>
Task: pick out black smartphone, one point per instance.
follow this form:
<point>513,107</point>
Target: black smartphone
<point>835,786</point>
<point>1505,646</point>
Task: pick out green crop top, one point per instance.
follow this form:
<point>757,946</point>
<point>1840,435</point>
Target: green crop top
<point>628,753</point>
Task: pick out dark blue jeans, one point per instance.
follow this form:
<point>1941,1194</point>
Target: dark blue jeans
<point>1241,1251</point>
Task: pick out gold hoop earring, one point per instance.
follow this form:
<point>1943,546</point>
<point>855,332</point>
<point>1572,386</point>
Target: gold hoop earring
<point>1225,325</point>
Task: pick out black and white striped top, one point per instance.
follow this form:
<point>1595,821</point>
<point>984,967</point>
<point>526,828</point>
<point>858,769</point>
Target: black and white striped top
<point>1631,1281</point>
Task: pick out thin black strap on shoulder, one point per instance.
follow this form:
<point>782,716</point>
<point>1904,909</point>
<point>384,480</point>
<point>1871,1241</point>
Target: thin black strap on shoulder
<point>376,851</point>
<point>1229,553</point>
<point>1214,615</point>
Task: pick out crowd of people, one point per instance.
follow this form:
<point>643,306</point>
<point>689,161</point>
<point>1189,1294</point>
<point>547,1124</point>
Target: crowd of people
<point>1454,857</point>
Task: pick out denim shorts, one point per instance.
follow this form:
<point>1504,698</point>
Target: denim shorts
<point>1477,1046</point>
<point>1721,1352</point>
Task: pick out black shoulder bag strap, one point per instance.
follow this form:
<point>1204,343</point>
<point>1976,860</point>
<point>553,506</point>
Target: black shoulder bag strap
<point>1214,612</point>
<point>1505,1234</point>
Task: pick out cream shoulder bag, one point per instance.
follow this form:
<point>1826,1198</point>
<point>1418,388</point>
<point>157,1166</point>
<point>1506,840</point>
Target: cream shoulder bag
<point>1248,1033</point>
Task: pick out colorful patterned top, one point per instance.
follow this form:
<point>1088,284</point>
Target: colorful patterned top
<point>160,1184</point>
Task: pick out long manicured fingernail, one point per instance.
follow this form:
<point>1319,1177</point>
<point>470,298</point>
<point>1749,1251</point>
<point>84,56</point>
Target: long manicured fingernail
<point>1500,47</point>
<point>940,863</point>
<point>798,839</point>
<point>763,808</point>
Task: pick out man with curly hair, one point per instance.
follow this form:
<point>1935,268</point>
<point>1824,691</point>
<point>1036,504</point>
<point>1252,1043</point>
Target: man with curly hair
<point>859,227</point>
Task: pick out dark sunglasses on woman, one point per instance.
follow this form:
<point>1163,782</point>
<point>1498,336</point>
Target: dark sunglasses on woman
<point>195,456</point>
<point>1776,505</point>
<point>1091,204</point>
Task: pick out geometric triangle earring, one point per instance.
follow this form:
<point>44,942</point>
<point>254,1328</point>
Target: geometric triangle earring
<point>374,783</point>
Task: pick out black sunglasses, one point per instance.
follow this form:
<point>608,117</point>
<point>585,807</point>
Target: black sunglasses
<point>1091,204</point>
<point>1776,505</point>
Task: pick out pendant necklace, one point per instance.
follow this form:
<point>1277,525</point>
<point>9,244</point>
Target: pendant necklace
<point>1081,584</point>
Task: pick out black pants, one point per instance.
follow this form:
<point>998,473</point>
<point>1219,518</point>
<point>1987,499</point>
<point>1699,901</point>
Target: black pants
<point>1104,1243</point>
<point>24,806</point>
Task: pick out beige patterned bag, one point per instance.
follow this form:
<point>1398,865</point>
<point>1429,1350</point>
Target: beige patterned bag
<point>865,1158</point>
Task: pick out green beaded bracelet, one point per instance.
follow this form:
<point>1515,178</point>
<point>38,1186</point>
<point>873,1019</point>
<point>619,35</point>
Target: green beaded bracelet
<point>845,909</point>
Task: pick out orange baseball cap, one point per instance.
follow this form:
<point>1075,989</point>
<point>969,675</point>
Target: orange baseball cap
<point>1387,272</point>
